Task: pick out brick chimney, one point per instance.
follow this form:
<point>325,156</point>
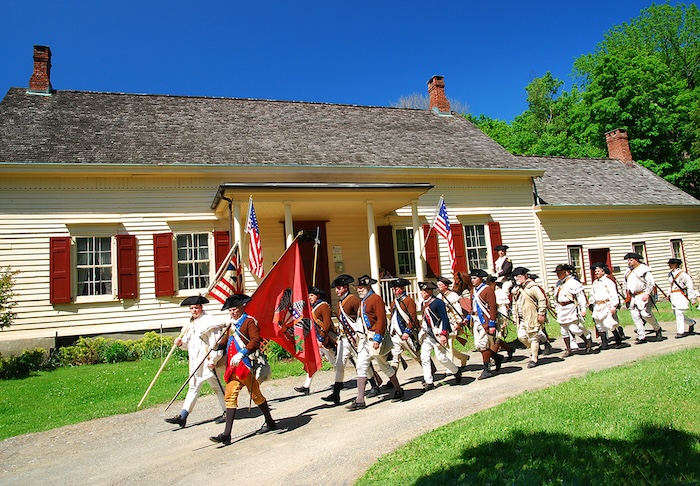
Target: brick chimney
<point>436,90</point>
<point>619,146</point>
<point>40,82</point>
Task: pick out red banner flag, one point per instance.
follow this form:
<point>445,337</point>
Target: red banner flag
<point>281,306</point>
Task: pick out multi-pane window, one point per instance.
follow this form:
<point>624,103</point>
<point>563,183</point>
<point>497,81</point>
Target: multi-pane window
<point>94,265</point>
<point>677,249</point>
<point>640,248</point>
<point>405,256</point>
<point>477,251</point>
<point>576,261</point>
<point>193,261</point>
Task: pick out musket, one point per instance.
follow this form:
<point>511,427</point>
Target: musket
<point>165,361</point>
<point>432,334</point>
<point>196,369</point>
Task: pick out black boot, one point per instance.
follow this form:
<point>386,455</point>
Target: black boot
<point>604,340</point>
<point>498,359</point>
<point>589,344</point>
<point>617,336</point>
<point>335,396</point>
<point>486,373</point>
<point>269,422</point>
<point>225,437</point>
<point>374,388</point>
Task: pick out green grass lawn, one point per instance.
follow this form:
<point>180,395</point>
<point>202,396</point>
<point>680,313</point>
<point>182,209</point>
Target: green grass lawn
<point>630,425</point>
<point>51,399</point>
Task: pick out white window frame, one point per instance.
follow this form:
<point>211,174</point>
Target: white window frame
<point>194,262</point>
<point>574,252</point>
<point>678,252</point>
<point>75,284</point>
<point>410,252</point>
<point>487,257</point>
<point>641,248</point>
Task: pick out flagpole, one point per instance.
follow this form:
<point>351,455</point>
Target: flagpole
<point>317,241</point>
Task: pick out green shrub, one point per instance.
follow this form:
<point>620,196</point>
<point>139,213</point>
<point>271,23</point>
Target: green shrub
<point>275,352</point>
<point>23,365</point>
<point>7,301</point>
<point>117,351</point>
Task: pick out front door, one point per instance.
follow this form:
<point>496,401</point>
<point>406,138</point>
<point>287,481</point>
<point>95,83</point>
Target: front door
<point>314,257</point>
<point>599,255</point>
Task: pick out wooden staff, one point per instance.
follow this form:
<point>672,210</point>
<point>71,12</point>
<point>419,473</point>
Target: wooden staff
<point>317,241</point>
<point>165,361</point>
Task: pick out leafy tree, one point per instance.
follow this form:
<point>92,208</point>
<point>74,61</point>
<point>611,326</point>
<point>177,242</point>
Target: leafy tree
<point>6,297</point>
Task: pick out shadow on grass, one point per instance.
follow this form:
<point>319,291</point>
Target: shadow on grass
<point>655,455</point>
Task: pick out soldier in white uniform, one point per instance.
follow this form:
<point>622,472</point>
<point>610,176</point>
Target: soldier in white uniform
<point>604,302</point>
<point>570,305</point>
<point>456,315</point>
<point>681,293</point>
<point>403,323</point>
<point>200,335</point>
<point>639,284</point>
<point>503,268</point>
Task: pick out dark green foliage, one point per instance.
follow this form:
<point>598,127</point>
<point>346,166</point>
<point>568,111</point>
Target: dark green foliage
<point>275,352</point>
<point>23,365</point>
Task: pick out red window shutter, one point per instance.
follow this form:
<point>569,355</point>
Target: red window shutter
<point>59,270</point>
<point>163,263</point>
<point>385,237</point>
<point>495,236</point>
<point>127,279</point>
<point>432,256</point>
<point>460,247</point>
<point>221,247</point>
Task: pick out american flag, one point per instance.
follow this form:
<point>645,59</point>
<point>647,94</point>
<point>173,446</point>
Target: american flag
<point>255,254</point>
<point>443,228</point>
<point>229,279</point>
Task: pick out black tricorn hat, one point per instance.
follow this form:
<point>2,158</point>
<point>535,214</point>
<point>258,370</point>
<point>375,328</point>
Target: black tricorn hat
<point>444,280</point>
<point>636,256</point>
<point>317,291</point>
<point>341,280</point>
<point>194,300</point>
<point>520,271</point>
<point>478,272</point>
<point>501,247</point>
<point>564,267</point>
<point>675,261</point>
<point>236,300</point>
<point>365,281</point>
<point>399,282</point>
<point>427,285</point>
<point>601,265</point>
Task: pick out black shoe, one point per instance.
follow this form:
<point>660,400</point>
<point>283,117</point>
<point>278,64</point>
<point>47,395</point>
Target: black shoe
<point>531,364</point>
<point>691,329</point>
<point>678,336</point>
<point>659,337</point>
<point>499,361</point>
<point>302,389</point>
<point>373,392</point>
<point>356,406</point>
<point>428,387</point>
<point>266,428</point>
<point>458,376</point>
<point>510,354</point>
<point>398,395</point>
<point>177,420</point>
<point>640,341</point>
<point>484,374</point>
<point>547,348</point>
<point>221,439</point>
<point>221,419</point>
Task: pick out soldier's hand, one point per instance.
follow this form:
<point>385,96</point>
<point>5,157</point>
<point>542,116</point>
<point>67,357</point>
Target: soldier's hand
<point>645,297</point>
<point>540,318</point>
<point>178,342</point>
<point>375,345</point>
<point>443,339</point>
<point>236,358</point>
<point>404,337</point>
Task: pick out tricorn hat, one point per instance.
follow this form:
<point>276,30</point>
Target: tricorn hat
<point>565,267</point>
<point>427,285</point>
<point>601,265</point>
<point>365,281</point>
<point>194,300</point>
<point>236,300</point>
<point>675,261</point>
<point>399,282</point>
<point>444,280</point>
<point>478,272</point>
<point>490,279</point>
<point>501,247</point>
<point>532,276</point>
<point>317,291</point>
<point>636,256</point>
<point>341,280</point>
<point>520,271</point>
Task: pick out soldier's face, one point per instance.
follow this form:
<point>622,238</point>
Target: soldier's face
<point>501,253</point>
<point>313,298</point>
<point>441,286</point>
<point>235,312</point>
<point>561,274</point>
<point>340,290</point>
<point>598,272</point>
<point>397,291</point>
<point>196,310</point>
<point>520,279</point>
<point>426,294</point>
<point>362,292</point>
<point>632,262</point>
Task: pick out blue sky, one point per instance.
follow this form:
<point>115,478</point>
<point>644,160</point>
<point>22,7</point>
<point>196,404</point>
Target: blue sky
<point>361,52</point>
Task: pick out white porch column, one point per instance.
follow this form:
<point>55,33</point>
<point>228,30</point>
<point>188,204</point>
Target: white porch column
<point>373,245</point>
<point>288,222</point>
<point>417,241</point>
<point>237,226</point>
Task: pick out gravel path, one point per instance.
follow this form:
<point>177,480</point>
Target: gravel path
<point>316,443</point>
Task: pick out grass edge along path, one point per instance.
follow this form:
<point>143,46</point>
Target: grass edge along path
<point>633,424</point>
